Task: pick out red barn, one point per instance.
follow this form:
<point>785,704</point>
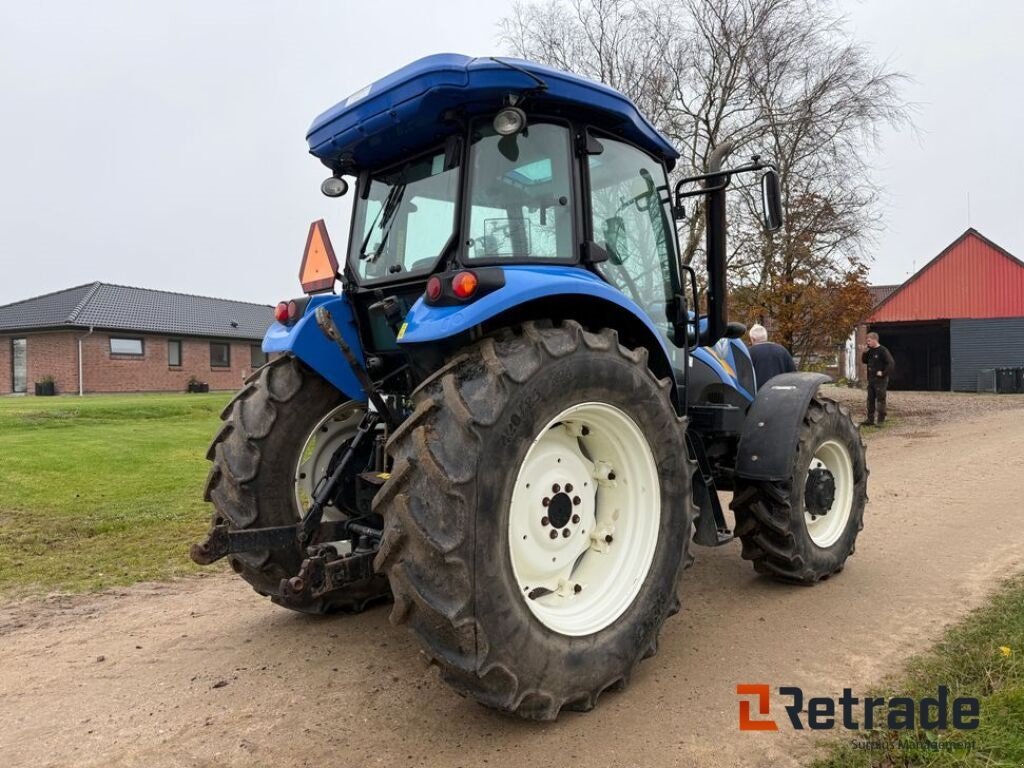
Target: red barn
<point>963,312</point>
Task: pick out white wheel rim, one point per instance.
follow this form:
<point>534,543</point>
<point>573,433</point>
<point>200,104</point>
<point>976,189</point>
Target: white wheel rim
<point>329,434</point>
<point>825,530</point>
<point>605,514</point>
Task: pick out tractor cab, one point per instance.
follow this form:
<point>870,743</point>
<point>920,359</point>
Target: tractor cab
<point>473,163</point>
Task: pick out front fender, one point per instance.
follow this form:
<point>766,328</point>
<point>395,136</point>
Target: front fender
<point>523,284</point>
<point>307,342</point>
<point>771,430</point>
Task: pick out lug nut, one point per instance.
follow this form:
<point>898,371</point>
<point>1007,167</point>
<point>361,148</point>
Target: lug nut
<point>577,588</point>
<point>568,487</point>
<point>585,430</point>
<point>544,521</point>
<point>575,518</point>
<point>546,501</point>
<point>611,475</point>
<point>576,500</point>
<point>608,539</point>
<point>554,534</point>
<point>565,533</point>
<point>556,488</point>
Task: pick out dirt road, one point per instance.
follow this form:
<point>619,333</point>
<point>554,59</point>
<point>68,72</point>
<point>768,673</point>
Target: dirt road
<point>205,673</point>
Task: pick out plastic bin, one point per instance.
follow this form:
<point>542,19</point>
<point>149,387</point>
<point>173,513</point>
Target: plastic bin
<point>1006,380</point>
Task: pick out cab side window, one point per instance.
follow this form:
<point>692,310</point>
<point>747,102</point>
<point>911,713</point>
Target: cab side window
<point>631,221</point>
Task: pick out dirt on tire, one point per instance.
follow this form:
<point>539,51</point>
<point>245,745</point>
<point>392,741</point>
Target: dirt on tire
<point>446,503</point>
<point>204,672</point>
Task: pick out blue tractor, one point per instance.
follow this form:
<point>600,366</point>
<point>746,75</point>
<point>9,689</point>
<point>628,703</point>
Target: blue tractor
<point>513,419</point>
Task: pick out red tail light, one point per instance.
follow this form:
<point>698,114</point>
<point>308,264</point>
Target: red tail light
<point>434,288</point>
<point>464,284</point>
<point>287,312</point>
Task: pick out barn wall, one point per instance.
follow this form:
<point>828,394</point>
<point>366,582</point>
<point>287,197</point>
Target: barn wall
<point>977,344</point>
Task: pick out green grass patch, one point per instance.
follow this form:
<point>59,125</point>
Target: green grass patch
<point>981,657</point>
<point>103,490</point>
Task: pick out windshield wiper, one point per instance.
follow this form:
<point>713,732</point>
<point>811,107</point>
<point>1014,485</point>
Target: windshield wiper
<point>384,215</point>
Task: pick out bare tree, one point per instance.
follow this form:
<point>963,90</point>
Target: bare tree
<point>778,77</point>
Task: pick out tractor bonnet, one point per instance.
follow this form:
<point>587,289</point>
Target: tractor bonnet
<point>405,112</point>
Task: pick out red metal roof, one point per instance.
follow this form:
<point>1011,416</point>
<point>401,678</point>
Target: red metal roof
<point>973,277</point>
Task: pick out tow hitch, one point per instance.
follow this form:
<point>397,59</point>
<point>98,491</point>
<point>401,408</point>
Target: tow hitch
<point>343,555</point>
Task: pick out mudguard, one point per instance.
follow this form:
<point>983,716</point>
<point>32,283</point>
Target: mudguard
<point>768,442</point>
<point>307,342</point>
<point>523,283</point>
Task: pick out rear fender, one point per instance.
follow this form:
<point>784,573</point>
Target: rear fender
<point>771,431</point>
<point>526,285</point>
<point>307,342</point>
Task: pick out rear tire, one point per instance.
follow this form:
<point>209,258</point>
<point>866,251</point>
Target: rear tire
<point>252,481</point>
<point>780,536</point>
<point>449,517</point>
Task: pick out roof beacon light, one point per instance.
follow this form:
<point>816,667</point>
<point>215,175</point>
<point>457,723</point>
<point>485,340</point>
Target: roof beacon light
<point>281,312</point>
<point>332,186</point>
<point>509,121</point>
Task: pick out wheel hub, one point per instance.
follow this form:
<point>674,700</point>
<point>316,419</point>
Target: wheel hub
<point>819,491</point>
<point>560,509</point>
<point>828,493</point>
<point>584,518</point>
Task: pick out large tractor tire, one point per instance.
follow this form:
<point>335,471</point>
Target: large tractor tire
<point>536,517</point>
<point>803,530</point>
<point>278,437</point>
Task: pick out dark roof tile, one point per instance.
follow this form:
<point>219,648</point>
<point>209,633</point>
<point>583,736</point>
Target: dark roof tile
<point>143,310</point>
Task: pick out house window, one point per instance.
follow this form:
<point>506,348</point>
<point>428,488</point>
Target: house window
<point>19,365</point>
<point>220,354</point>
<point>174,353</point>
<point>126,346</point>
<point>258,357</point>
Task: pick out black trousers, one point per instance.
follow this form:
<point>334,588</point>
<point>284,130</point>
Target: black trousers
<point>877,387</point>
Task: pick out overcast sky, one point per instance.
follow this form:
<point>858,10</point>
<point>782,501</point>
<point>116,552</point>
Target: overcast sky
<point>162,144</point>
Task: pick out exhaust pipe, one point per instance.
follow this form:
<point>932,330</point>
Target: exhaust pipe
<point>715,248</point>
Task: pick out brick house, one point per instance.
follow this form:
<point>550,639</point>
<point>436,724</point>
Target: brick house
<point>100,337</point>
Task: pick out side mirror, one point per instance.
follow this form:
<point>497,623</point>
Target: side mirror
<point>771,200</point>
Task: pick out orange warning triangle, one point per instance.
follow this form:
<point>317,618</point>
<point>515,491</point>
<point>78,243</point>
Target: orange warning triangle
<point>319,264</point>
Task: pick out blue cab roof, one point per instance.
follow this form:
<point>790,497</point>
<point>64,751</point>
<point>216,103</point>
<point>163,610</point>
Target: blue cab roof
<point>403,113</point>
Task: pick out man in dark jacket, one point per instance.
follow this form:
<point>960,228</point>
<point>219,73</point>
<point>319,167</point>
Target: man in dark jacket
<point>880,364</point>
<point>769,359</point>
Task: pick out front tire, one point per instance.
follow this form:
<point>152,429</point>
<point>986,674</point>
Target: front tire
<point>468,533</point>
<point>802,530</point>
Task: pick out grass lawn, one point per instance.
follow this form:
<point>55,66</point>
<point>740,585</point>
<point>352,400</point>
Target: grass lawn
<point>101,490</point>
<point>981,657</point>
